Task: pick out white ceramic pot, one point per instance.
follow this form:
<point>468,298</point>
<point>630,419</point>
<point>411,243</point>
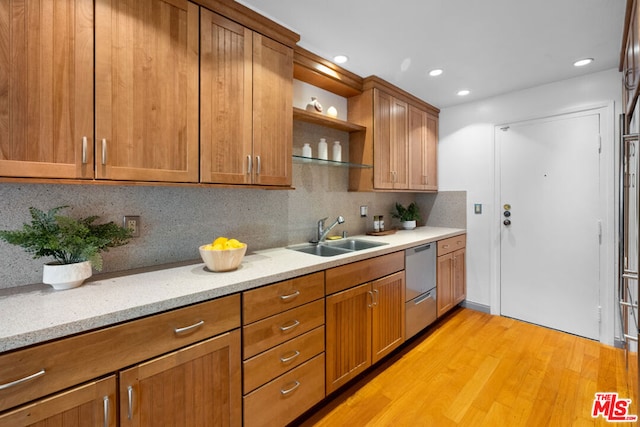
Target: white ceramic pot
<point>66,276</point>
<point>408,225</point>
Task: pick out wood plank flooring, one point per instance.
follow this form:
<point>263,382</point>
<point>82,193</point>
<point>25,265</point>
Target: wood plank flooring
<point>475,369</point>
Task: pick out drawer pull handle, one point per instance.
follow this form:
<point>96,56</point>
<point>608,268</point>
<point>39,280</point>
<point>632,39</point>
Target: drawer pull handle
<point>296,353</point>
<point>106,411</point>
<point>22,380</point>
<point>130,402</point>
<point>179,331</point>
<point>445,246</point>
<point>288,297</point>
<point>289,327</point>
<point>291,390</point>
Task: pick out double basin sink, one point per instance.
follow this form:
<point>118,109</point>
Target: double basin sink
<point>337,247</point>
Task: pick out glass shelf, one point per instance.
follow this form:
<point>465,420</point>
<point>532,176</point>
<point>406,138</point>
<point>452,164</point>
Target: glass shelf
<point>315,161</point>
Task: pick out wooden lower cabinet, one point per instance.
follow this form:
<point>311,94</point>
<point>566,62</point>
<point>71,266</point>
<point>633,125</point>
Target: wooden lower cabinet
<point>288,396</point>
<point>364,324</point>
<point>451,273</point>
<point>92,404</point>
<point>196,386</point>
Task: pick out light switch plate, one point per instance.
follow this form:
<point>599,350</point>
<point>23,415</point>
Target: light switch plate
<point>477,208</point>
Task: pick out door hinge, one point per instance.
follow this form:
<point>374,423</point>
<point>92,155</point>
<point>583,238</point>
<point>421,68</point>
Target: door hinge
<point>599,142</point>
<point>599,314</point>
<point>599,231</point>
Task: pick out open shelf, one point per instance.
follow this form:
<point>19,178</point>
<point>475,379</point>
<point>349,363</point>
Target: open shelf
<point>330,122</point>
<point>313,160</point>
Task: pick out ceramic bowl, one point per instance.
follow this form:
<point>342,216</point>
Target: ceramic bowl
<point>226,260</point>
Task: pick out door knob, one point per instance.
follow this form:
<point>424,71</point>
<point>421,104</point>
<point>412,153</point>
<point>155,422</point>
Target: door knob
<point>507,222</point>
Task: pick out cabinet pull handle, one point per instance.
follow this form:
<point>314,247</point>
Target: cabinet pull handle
<point>258,165</point>
<point>291,390</point>
<point>288,297</point>
<point>422,299</point>
<point>84,150</point>
<point>249,165</point>
<point>291,326</point>
<point>130,402</point>
<point>105,403</point>
<point>445,246</point>
<point>371,295</point>
<point>283,359</point>
<point>40,373</point>
<point>377,294</point>
<point>179,331</point>
<point>104,151</point>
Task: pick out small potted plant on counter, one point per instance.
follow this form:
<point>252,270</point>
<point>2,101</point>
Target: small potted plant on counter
<point>74,244</point>
<point>408,216</point>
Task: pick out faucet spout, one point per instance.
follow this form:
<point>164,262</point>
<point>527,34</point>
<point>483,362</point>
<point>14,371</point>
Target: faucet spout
<point>323,232</point>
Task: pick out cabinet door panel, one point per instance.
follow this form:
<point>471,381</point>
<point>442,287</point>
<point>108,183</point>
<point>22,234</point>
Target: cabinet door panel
<point>46,88</point>
<point>431,166</point>
<point>382,153</point>
<point>388,315</point>
<point>348,336</point>
<point>399,145</point>
<point>92,404</point>
<point>444,283</point>
<point>196,386</point>
<point>226,100</point>
<point>459,276</point>
<point>423,146</point>
<point>272,112</point>
<point>147,90</point>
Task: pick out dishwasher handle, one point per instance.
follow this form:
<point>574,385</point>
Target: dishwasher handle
<point>422,248</point>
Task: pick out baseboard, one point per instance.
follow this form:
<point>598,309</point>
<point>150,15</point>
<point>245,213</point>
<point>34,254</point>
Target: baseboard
<point>475,306</point>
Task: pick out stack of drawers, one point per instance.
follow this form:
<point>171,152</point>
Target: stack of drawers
<point>283,350</point>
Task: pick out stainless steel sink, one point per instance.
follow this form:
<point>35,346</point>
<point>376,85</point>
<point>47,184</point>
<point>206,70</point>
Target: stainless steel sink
<point>354,244</point>
<point>336,248</point>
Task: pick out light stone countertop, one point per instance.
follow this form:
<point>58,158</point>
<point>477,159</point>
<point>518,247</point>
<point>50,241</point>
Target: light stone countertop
<point>35,314</point>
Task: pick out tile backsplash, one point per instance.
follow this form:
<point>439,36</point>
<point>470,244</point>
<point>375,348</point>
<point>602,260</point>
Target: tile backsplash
<point>176,220</point>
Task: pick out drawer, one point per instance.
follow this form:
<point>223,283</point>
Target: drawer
<point>451,244</point>
<point>264,334</point>
<point>349,275</point>
<point>263,302</point>
<point>282,400</point>
<point>420,312</point>
<point>274,362</point>
<point>46,368</point>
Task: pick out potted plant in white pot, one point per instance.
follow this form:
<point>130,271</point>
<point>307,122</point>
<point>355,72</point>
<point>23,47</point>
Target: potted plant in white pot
<point>74,244</point>
<point>408,216</point>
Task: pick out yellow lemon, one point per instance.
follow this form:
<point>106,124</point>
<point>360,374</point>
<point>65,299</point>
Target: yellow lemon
<point>218,247</point>
<point>233,244</point>
<point>220,241</point>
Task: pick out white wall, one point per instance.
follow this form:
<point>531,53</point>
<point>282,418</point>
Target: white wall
<point>466,156</point>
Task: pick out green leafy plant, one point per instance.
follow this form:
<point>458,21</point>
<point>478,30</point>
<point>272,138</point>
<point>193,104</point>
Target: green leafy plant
<point>66,239</point>
<point>410,213</point>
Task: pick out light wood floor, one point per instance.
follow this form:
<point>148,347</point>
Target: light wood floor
<point>475,369</point>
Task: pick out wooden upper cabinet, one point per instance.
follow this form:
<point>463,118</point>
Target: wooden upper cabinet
<point>272,111</point>
<point>401,140</point>
<point>147,90</point>
<point>46,88</point>
<point>246,115</point>
<point>226,100</point>
<point>423,150</point>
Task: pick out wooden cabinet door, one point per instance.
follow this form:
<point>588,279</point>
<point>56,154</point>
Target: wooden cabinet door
<point>399,144</point>
<point>444,283</point>
<point>195,386</point>
<point>92,404</point>
<point>46,88</point>
<point>423,146</point>
<point>147,90</point>
<point>388,315</point>
<point>383,148</point>
<point>348,335</point>
<point>272,112</point>
<point>459,287</point>
<point>225,100</point>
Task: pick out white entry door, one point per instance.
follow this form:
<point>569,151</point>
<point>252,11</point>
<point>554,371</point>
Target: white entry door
<point>550,227</point>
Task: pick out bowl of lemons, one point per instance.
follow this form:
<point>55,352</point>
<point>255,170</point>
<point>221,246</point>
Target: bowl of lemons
<point>223,254</point>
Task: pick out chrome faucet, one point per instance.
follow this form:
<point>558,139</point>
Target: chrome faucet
<point>322,232</point>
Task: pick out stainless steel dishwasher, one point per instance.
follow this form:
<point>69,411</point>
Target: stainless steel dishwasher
<point>420,276</point>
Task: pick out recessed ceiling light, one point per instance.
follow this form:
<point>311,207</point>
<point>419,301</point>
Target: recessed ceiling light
<point>583,62</point>
<point>340,59</point>
<point>464,92</point>
<point>435,72</point>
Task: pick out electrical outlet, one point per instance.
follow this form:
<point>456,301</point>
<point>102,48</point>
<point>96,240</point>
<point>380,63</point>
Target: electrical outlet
<point>132,222</point>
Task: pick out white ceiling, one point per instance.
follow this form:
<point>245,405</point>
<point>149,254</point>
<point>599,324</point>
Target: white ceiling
<point>487,46</point>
